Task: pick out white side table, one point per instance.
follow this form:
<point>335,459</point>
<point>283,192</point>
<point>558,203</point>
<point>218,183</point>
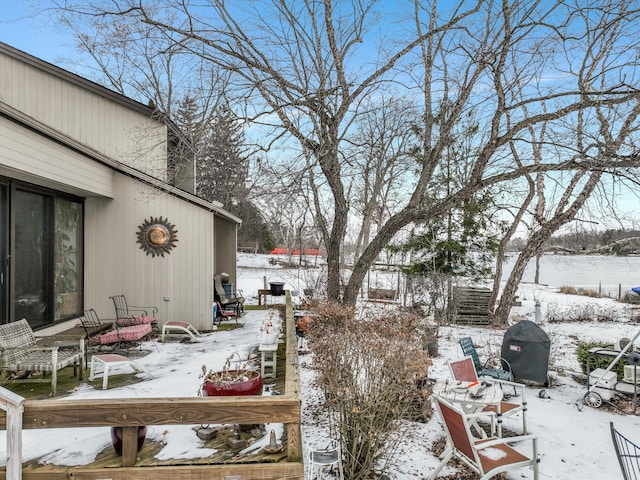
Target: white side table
<point>101,364</point>
<point>269,359</point>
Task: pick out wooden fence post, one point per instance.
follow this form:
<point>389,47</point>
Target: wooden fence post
<point>14,406</point>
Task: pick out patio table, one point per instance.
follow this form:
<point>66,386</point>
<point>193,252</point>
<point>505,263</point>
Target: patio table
<point>472,398</point>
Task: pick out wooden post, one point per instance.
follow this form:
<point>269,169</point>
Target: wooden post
<point>129,446</point>
<point>292,388</point>
<point>14,406</point>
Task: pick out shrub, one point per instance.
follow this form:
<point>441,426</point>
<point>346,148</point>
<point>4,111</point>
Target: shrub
<point>568,290</point>
<point>597,361</point>
<point>370,370</point>
<point>580,313</point>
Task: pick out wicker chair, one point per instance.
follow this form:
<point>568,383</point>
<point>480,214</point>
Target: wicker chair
<point>21,351</point>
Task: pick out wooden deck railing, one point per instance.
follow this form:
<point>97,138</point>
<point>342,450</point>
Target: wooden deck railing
<point>18,414</point>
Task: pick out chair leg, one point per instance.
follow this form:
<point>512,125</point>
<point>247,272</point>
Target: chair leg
<point>445,459</point>
<point>54,380</point>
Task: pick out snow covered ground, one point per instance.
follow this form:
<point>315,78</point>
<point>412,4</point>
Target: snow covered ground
<point>574,440</point>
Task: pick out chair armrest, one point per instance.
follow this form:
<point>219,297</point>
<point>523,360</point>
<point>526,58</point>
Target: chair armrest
<point>61,341</point>
<point>489,363</point>
<point>506,362</point>
<point>482,414</point>
<point>37,348</point>
<point>143,309</point>
<point>515,385</point>
<point>500,441</point>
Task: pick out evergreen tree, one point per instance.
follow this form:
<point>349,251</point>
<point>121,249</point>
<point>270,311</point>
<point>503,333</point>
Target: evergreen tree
<point>222,166</point>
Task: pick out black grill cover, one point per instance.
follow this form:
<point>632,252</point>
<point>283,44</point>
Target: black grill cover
<point>526,347</point>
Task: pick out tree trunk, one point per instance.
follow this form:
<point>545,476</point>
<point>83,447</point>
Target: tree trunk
<point>334,247</point>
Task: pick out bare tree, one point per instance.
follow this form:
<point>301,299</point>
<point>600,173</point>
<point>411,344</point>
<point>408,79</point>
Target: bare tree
<point>381,161</point>
<point>600,136</point>
<point>308,68</point>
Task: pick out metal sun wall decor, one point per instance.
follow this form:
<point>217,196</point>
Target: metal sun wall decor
<point>157,236</point>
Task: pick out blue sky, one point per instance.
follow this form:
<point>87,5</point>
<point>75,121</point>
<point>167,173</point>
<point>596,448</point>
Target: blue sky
<point>34,34</point>
<point>37,35</point>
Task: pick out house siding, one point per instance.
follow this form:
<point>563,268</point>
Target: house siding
<point>125,135</point>
<point>115,263</point>
<point>64,133</point>
<point>28,156</point>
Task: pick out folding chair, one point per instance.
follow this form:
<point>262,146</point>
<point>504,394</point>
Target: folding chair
<point>464,371</point>
<point>628,454</point>
<point>235,302</point>
<point>469,349</point>
<point>487,456</point>
<point>219,314</point>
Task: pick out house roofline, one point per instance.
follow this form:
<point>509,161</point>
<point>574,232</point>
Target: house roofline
<point>75,79</point>
<point>94,87</point>
<point>55,135</point>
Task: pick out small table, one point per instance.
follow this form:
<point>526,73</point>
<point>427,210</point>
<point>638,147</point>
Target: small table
<point>269,358</point>
<point>101,364</point>
<point>472,400</point>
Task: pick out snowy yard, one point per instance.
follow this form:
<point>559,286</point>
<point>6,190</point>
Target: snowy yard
<point>574,440</point>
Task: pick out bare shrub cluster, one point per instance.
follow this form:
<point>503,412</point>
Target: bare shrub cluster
<point>372,371</point>
<point>585,292</point>
<point>580,313</point>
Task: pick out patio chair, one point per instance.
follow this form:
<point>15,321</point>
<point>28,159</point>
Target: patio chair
<point>123,337</point>
<point>127,315</point>
<point>464,371</point>
<point>628,454</point>
<point>21,351</point>
<point>219,314</point>
<point>233,302</point>
<point>93,328</point>
<point>486,456</point>
<point>486,369</point>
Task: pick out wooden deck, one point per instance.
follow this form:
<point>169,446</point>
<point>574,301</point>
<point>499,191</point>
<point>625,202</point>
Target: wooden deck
<point>221,412</point>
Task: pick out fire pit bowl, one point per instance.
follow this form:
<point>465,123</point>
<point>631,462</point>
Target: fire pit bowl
<point>277,288</point>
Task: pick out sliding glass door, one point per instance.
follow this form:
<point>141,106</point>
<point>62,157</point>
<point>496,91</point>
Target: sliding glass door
<point>33,274</point>
<point>4,253</point>
<point>67,254</point>
<point>42,255</point>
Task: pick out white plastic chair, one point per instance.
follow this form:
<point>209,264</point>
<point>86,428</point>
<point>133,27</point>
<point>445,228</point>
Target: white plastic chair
<point>318,460</point>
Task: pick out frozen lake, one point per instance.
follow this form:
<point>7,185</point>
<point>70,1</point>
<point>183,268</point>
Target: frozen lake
<point>584,271</point>
<point>580,271</point>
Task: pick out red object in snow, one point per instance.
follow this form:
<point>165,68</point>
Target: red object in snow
<point>314,252</point>
<point>251,386</point>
